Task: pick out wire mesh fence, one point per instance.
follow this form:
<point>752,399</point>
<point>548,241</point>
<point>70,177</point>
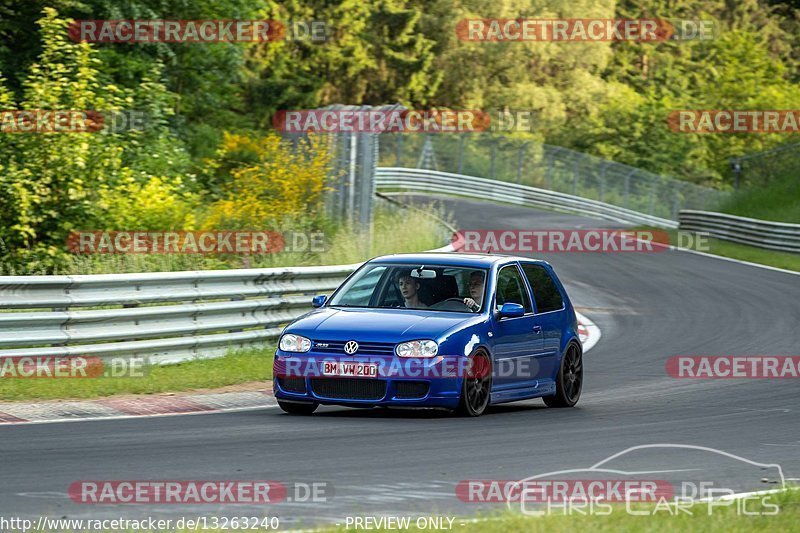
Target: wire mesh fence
<point>351,183</point>
<point>547,167</point>
<point>759,169</point>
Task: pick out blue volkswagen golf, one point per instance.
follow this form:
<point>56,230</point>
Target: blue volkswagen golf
<point>447,330</point>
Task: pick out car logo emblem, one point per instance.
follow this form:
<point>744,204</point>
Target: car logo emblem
<point>350,347</point>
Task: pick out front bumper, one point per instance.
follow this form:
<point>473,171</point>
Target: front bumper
<point>433,382</point>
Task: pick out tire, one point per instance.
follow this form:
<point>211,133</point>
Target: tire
<point>476,387</point>
<point>294,408</point>
<point>569,382</point>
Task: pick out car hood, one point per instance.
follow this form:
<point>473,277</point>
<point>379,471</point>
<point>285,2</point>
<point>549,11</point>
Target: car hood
<point>377,325</point>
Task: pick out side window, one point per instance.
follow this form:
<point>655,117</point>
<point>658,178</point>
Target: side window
<point>511,288</point>
<point>545,291</point>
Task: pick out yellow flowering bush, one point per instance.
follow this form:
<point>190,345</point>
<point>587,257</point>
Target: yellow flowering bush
<point>158,204</point>
<point>270,180</point>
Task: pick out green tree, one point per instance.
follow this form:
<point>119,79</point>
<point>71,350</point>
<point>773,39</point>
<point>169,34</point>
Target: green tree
<point>54,183</point>
<point>747,65</point>
<point>374,54</point>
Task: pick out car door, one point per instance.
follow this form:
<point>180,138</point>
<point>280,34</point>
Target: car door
<point>516,340</point>
<point>550,317</point>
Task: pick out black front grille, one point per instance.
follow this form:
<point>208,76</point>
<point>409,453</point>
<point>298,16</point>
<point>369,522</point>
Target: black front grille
<point>349,388</point>
<point>411,389</point>
<point>365,348</point>
<point>292,384</point>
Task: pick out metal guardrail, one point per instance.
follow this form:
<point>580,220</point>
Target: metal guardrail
<point>165,317</point>
<point>761,233</point>
<point>554,168</point>
<point>428,181</point>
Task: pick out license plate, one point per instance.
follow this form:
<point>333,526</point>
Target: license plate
<point>344,368</point>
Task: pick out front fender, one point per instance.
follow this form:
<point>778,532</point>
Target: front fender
<point>466,339</point>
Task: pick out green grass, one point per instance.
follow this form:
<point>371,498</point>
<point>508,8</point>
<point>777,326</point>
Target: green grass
<point>787,260</point>
<point>393,230</point>
<point>743,252</point>
<point>234,368</point>
<point>721,519</point>
<point>780,201</point>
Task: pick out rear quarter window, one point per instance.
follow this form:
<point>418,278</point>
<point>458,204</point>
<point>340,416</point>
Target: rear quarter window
<point>545,291</point>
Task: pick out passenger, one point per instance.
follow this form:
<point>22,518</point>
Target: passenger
<point>409,288</point>
<point>476,285</point>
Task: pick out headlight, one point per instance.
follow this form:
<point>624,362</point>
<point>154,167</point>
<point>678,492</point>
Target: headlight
<point>423,348</point>
<point>294,343</point>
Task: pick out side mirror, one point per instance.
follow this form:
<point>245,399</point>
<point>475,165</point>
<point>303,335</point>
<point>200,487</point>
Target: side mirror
<point>319,300</point>
<point>511,310</point>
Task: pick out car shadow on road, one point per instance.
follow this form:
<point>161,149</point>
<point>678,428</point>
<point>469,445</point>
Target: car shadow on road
<point>421,413</point>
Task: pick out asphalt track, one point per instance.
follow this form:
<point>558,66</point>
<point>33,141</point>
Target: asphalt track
<point>649,307</point>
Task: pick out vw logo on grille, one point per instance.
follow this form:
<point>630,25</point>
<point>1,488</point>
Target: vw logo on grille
<point>350,347</point>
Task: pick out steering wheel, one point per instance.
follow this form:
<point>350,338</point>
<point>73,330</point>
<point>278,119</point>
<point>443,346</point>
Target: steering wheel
<point>447,304</point>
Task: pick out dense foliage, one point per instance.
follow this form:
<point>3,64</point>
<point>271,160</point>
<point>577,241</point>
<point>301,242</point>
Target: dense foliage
<point>207,157</point>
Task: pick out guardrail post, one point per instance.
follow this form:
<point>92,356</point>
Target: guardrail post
<point>736,166</point>
<point>368,148</point>
<point>352,142</point>
<point>574,177</point>
<point>493,160</point>
<point>548,171</point>
<point>461,153</point>
<point>676,204</point>
<point>65,326</point>
<point>626,192</point>
<point>602,181</point>
<point>398,150</point>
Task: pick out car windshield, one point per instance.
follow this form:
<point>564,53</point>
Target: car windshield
<point>408,286</point>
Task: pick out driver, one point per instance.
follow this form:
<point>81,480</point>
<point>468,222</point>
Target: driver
<point>409,289</point>
<point>476,279</point>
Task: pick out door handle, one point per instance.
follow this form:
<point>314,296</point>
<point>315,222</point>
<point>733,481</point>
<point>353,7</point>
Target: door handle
<point>537,329</point>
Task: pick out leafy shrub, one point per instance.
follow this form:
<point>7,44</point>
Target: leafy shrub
<point>158,204</point>
<point>55,183</point>
<point>270,179</point>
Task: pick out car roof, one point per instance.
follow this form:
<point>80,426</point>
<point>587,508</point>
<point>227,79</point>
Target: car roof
<point>471,260</point>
